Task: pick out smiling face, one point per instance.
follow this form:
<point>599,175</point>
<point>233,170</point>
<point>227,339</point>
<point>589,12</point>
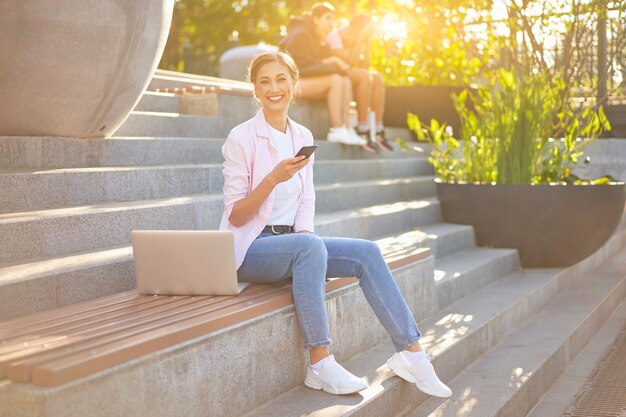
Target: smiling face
<point>273,86</point>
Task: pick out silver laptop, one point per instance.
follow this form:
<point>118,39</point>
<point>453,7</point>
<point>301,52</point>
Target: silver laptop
<point>185,262</point>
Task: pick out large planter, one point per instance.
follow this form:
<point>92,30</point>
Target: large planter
<point>549,225</point>
<point>76,68</point>
<point>427,101</point>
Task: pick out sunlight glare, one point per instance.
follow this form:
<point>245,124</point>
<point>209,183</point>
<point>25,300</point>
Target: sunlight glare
<point>439,275</point>
<point>389,28</point>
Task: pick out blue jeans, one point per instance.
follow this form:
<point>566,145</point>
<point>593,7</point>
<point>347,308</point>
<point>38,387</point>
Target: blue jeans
<point>309,260</point>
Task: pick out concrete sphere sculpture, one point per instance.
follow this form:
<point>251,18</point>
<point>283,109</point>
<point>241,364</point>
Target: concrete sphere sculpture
<point>234,62</point>
<point>76,67</point>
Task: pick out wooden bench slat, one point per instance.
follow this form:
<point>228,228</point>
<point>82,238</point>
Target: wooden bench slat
<point>133,319</point>
<point>193,89</point>
<point>335,283</point>
<point>72,320</point>
<point>84,327</point>
<point>78,365</point>
<point>139,303</point>
<point>407,259</point>
<point>202,82</point>
<point>20,371</point>
<point>50,315</point>
<point>200,79</point>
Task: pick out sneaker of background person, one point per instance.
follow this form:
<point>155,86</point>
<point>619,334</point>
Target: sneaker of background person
<point>342,135</point>
<point>369,146</point>
<point>382,141</point>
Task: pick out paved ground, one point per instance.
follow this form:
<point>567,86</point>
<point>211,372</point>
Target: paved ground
<point>604,395</point>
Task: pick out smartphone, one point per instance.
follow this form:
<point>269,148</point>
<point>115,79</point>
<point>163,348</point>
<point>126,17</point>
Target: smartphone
<point>306,151</point>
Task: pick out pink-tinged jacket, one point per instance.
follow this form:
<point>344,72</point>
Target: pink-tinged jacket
<point>249,155</point>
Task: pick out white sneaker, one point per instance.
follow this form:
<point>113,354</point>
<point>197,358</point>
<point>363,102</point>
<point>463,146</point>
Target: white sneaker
<point>333,378</point>
<point>415,367</point>
<point>342,135</point>
<point>357,138</point>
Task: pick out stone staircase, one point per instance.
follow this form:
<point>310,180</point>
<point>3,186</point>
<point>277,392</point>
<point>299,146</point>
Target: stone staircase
<point>500,334</point>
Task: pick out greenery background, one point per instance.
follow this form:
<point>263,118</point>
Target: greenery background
<point>447,42</point>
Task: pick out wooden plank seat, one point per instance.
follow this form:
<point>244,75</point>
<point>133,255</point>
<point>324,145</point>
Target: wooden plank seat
<point>161,74</point>
<point>197,89</point>
<point>179,83</point>
<point>61,345</point>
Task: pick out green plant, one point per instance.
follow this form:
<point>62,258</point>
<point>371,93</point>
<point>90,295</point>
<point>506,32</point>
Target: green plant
<point>563,155</point>
<point>506,133</point>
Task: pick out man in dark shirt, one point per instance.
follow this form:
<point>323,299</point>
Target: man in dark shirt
<point>323,74</point>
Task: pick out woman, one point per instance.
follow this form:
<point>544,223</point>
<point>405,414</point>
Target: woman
<point>352,44</point>
<point>269,206</point>
<point>323,74</point>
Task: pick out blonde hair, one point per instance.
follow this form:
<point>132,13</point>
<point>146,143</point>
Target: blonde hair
<point>263,58</point>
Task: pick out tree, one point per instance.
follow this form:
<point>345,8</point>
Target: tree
<point>446,42</point>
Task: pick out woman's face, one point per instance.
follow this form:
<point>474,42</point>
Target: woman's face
<point>274,86</point>
<point>325,23</point>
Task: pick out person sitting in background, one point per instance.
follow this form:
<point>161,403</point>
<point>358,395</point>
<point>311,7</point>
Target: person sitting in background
<point>352,44</point>
<point>322,73</point>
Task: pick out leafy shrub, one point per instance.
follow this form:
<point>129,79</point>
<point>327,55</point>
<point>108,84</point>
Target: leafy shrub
<point>507,133</point>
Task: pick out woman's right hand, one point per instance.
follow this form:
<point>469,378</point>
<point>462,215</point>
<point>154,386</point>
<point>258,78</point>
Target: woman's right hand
<point>287,168</point>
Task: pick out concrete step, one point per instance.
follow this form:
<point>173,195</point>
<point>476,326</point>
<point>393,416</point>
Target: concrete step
<point>311,113</point>
<point>443,239</point>
<point>44,284</point>
<point>176,374</point>
<point>394,133</point>
<point>329,150</point>
<point>29,190</point>
<point>53,152</point>
<point>67,277</point>
<point>511,377</point>
<point>350,195</point>
<point>381,220</point>
<point>40,190</point>
<point>234,109</point>
<point>143,123</point>
<point>330,171</point>
<point>481,267</point>
<point>455,337</point>
<point>199,115</point>
<point>562,395</point>
<point>57,232</point>
<point>153,101</point>
<point>608,157</point>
